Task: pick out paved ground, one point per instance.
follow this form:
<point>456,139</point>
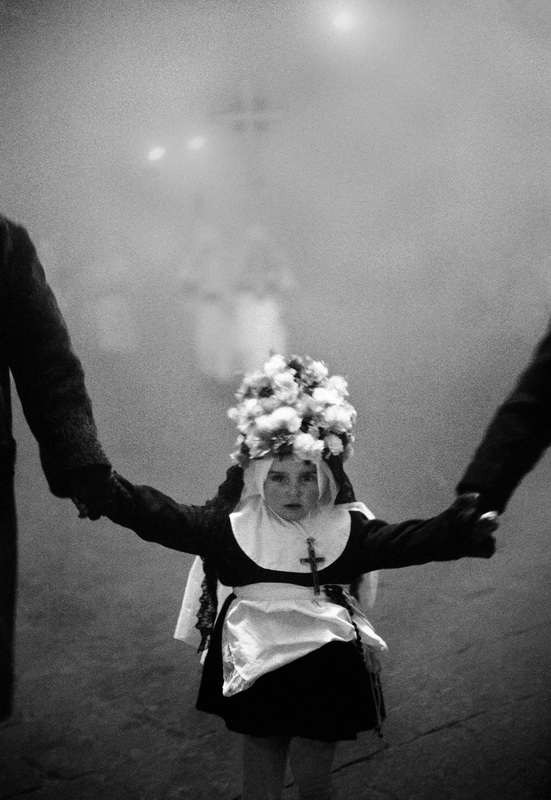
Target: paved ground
<point>105,700</point>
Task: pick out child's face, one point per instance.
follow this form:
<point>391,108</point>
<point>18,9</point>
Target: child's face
<point>291,488</point>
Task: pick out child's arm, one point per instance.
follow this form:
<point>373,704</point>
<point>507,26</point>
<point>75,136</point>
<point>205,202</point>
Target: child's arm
<point>460,531</point>
<point>156,517</point>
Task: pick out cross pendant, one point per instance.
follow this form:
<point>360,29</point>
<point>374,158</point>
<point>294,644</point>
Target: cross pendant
<point>313,561</point>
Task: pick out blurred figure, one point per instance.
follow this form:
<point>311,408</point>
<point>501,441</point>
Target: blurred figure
<point>238,288</point>
<point>35,347</point>
<point>265,276</point>
<point>207,276</point>
<point>517,436</point>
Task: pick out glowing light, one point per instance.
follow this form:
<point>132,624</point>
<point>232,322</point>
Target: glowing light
<point>156,153</point>
<point>197,143</point>
<point>344,21</point>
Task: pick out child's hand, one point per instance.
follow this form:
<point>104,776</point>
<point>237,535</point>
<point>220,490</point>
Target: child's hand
<point>478,527</point>
<point>117,499</point>
<point>83,511</point>
<point>90,489</point>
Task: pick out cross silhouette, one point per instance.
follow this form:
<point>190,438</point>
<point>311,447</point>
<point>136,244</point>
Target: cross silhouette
<point>313,561</point>
<point>248,114</point>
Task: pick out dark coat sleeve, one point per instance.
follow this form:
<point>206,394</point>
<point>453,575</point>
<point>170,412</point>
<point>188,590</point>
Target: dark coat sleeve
<point>155,517</point>
<point>417,541</point>
<point>48,375</point>
<point>517,436</point>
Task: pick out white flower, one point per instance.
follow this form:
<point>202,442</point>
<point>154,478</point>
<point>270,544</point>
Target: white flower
<point>339,419</point>
<point>284,380</point>
<point>251,408</point>
<point>303,405</point>
<point>245,413</point>
<point>269,404</point>
<point>337,384</point>
<point>334,444</point>
<point>325,397</point>
<point>251,382</point>
<point>307,448</point>
<point>281,407</point>
<point>286,389</point>
<point>284,417</point>
<point>276,364</point>
<point>234,414</point>
<point>318,371</point>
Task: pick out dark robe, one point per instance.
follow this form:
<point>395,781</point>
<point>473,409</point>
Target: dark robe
<point>517,436</point>
<point>35,347</point>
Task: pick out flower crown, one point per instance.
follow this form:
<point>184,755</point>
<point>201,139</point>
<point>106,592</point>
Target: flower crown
<point>292,406</point>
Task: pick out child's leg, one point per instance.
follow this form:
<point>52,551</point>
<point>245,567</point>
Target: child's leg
<point>311,764</point>
<point>264,762</point>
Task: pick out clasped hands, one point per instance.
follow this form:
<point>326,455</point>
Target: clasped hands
<point>91,489</point>
<point>468,520</point>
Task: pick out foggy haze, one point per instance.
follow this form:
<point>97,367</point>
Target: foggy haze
<point>404,168</point>
<point>402,171</point>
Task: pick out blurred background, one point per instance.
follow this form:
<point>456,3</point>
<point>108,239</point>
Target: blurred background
<point>367,182</point>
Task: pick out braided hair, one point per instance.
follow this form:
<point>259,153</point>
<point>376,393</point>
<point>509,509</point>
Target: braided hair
<point>221,505</point>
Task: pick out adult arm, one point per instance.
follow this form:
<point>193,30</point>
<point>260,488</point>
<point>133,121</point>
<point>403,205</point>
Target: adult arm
<point>48,375</point>
<point>458,532</point>
<point>517,436</point>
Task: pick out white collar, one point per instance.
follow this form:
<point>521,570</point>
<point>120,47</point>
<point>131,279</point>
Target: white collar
<point>276,544</point>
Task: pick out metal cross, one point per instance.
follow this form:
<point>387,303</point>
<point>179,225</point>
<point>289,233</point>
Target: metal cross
<point>313,561</point>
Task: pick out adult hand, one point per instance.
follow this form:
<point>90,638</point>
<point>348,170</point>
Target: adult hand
<point>91,489</point>
<point>480,528</point>
<point>83,511</point>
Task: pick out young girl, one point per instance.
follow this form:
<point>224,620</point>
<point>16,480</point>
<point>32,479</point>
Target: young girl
<point>291,661</point>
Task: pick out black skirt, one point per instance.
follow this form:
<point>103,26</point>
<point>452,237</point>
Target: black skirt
<point>328,694</point>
